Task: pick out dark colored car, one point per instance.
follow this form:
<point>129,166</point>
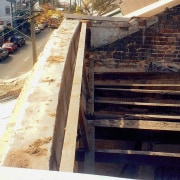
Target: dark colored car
<point>3,53</point>
<point>18,40</point>
<point>11,47</point>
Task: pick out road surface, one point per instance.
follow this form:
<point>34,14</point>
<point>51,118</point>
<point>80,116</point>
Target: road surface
<point>21,61</point>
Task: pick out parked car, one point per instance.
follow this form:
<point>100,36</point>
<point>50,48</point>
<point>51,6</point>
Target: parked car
<point>3,53</point>
<point>11,47</point>
<point>18,40</point>
<point>41,26</point>
<point>37,30</point>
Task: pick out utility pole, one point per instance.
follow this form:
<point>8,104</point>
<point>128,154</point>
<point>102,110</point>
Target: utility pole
<point>69,6</point>
<point>33,33</point>
<point>12,14</point>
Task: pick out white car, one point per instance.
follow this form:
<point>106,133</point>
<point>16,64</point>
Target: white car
<point>37,30</point>
<point>3,53</point>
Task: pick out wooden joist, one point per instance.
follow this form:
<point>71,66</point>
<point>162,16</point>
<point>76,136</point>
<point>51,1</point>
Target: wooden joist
<point>129,116</point>
<point>137,103</point>
<point>139,124</point>
<point>141,86</point>
<point>119,82</point>
<point>83,128</point>
<point>138,157</point>
<point>134,157</point>
<point>173,92</point>
<point>137,75</point>
<point>146,85</point>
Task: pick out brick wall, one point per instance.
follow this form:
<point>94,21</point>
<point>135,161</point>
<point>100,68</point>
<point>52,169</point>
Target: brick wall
<point>159,44</point>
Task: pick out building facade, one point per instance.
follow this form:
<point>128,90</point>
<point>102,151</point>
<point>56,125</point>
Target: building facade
<point>8,9</point>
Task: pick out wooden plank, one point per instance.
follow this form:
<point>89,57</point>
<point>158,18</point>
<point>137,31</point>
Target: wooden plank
<point>136,103</point>
<point>90,106</point>
<point>137,76</point>
<point>97,18</point>
<point>69,145</point>
<point>134,157</point>
<point>141,90</point>
<point>139,124</point>
<point>149,153</point>
<point>84,129</point>
<point>89,163</point>
<point>90,156</point>
<point>88,92</point>
<point>146,85</point>
<point>123,115</point>
<point>154,116</point>
<point>118,82</point>
<point>127,97</point>
<point>138,157</point>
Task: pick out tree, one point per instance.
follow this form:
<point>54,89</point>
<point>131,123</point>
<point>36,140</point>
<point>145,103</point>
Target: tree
<point>87,6</point>
<point>100,6</point>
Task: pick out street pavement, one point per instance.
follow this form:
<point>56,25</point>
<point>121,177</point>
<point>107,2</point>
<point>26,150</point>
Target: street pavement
<point>21,61</point>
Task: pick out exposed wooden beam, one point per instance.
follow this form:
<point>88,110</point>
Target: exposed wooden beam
<point>147,85</point>
<point>69,145</point>
<point>89,163</point>
<point>126,116</point>
<point>142,90</point>
<point>139,124</point>
<point>86,83</point>
<point>121,81</point>
<point>84,129</point>
<point>90,107</point>
<point>137,103</point>
<point>134,157</point>
<point>125,21</point>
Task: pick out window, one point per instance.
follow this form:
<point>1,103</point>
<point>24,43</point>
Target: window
<point>7,10</point>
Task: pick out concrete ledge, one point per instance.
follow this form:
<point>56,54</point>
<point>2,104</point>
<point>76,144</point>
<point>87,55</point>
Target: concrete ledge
<point>35,115</point>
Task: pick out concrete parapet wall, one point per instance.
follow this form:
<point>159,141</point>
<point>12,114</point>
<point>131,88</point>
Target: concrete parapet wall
<point>41,109</point>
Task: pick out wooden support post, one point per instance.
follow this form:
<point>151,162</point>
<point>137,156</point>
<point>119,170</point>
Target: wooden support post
<point>90,156</point>
<point>90,106</point>
<point>84,130</point>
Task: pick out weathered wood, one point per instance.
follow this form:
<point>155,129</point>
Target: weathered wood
<point>86,83</point>
<point>142,90</point>
<point>90,107</point>
<point>164,117</point>
<point>127,116</point>
<point>138,157</point>
<point>136,97</point>
<point>134,157</point>
<point>138,76</point>
<point>119,82</point>
<point>84,129</point>
<point>69,145</point>
<point>137,103</point>
<point>89,163</point>
<point>147,85</point>
<point>141,86</point>
<point>97,18</point>
<point>139,124</point>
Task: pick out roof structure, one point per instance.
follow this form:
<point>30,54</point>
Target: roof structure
<point>146,9</point>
